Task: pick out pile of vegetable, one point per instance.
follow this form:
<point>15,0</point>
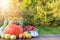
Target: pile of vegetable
<point>14,30</point>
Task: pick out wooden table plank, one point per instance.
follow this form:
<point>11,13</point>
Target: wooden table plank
<point>42,37</point>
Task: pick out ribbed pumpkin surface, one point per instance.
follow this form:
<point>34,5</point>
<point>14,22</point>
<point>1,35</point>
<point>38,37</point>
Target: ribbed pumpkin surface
<point>13,29</point>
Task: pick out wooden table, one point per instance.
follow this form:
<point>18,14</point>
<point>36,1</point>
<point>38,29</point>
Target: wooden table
<point>42,37</point>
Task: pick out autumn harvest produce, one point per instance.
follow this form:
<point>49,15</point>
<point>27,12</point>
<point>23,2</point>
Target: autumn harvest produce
<point>7,20</point>
<point>27,35</point>
<point>3,36</point>
<point>13,37</point>
<point>15,30</point>
<point>15,18</point>
<point>30,28</point>
<point>4,25</point>
<point>8,36</point>
<point>21,35</point>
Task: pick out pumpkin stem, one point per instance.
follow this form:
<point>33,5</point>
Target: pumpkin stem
<point>17,24</point>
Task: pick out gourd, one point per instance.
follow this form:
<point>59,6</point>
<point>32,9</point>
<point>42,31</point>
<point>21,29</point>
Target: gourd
<point>4,25</point>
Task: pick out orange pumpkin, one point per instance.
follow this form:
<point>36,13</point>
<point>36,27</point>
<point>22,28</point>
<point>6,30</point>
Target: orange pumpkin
<point>13,29</point>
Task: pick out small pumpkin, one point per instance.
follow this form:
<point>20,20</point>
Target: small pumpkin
<point>21,35</point>
<point>28,36</point>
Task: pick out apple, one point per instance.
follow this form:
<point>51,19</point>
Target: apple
<point>13,37</point>
<point>28,28</point>
<point>3,36</point>
<point>7,36</point>
<point>34,28</point>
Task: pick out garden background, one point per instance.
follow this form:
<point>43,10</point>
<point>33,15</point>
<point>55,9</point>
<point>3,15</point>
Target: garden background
<point>43,14</point>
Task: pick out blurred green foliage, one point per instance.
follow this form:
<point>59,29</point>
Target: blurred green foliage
<point>42,12</point>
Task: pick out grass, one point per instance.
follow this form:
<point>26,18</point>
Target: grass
<point>49,30</point>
